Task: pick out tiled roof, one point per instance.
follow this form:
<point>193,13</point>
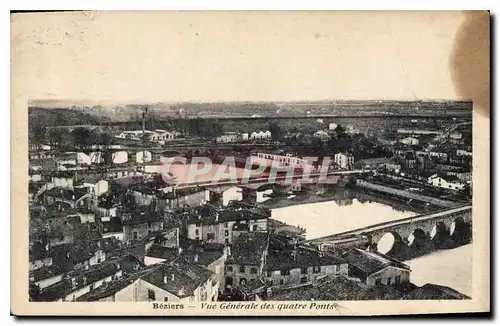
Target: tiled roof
<point>203,258</point>
<point>140,216</point>
<point>435,292</point>
<point>168,254</point>
<point>66,286</point>
<point>329,288</point>
<point>278,259</point>
<point>371,262</point>
<point>249,248</point>
<point>182,278</point>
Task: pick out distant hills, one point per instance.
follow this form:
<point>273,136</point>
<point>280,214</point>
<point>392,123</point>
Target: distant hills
<point>50,112</point>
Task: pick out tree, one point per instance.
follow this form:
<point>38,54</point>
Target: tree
<point>55,137</point>
<point>275,130</point>
<point>36,135</point>
<point>34,292</point>
<point>81,138</point>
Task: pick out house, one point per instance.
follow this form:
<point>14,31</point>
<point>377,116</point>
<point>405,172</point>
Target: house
<point>158,254</point>
<point>344,160</point>
<point>464,152</point>
<point>299,265</point>
<point>212,256</point>
<point>177,281</point>
<point>140,222</point>
<point>162,135</point>
<point>446,182</point>
<point>373,268</point>
<point>281,161</point>
<point>439,154</point>
<point>259,134</point>
<point>75,198</point>
<point>410,141</point>
<point>93,184</point>
<point>247,258</point>
<point>373,163</point>
<point>120,157</point>
<point>332,126</point>
<point>76,283</point>
<point>228,137</point>
<point>225,225</point>
<point>329,288</point>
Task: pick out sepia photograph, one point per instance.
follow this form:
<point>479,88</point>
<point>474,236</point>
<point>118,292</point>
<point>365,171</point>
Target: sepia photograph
<point>203,169</point>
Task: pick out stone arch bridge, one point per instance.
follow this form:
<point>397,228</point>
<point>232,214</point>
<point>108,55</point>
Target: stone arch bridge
<point>442,224</point>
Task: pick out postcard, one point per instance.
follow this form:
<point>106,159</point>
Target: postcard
<point>224,163</point>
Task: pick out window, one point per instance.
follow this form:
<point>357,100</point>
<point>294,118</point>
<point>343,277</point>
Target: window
<point>285,272</point>
<point>226,241</point>
<point>303,270</point>
<point>397,279</point>
<point>150,225</point>
<point>378,281</point>
<point>242,269</point>
<point>91,287</point>
<point>134,236</point>
<point>151,295</point>
<point>226,233</point>
<point>229,268</point>
<point>226,225</point>
<point>269,273</point>
<point>316,269</point>
<point>388,281</point>
<point>303,279</point>
<point>253,270</point>
<point>197,232</point>
<point>282,282</point>
<point>210,236</point>
<point>254,227</point>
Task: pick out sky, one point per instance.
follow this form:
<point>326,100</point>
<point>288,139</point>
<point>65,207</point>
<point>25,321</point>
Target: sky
<point>115,57</point>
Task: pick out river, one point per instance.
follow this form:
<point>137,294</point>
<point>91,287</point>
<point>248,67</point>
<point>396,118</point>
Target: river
<point>329,217</point>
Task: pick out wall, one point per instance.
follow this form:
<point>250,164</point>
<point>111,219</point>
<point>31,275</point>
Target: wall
<point>152,260</point>
<point>49,281</point>
<point>141,229</point>
<point>296,274</point>
<point>388,272</point>
<point>34,265</point>
<point>237,275</point>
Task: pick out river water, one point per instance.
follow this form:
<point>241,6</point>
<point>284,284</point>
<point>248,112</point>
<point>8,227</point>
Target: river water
<point>452,267</point>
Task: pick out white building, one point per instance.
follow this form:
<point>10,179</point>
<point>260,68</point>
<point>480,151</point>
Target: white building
<point>410,141</point>
<point>446,182</point>
<point>259,134</point>
<point>322,134</point>
<point>229,137</point>
<point>332,126</point>
<point>281,161</point>
<point>344,160</point>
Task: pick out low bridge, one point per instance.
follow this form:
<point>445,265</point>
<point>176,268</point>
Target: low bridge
<point>455,222</point>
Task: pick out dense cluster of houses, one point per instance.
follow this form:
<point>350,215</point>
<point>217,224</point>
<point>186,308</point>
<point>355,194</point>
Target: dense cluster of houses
<point>101,237</point>
<point>233,137</point>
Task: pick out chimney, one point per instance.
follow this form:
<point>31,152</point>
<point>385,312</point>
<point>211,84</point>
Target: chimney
<point>173,277</point>
<point>196,258</point>
<point>181,291</point>
<point>165,279</point>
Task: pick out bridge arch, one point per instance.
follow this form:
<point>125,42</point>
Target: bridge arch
<point>438,231</point>
<point>417,237</point>
<point>460,231</point>
<point>389,242</point>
